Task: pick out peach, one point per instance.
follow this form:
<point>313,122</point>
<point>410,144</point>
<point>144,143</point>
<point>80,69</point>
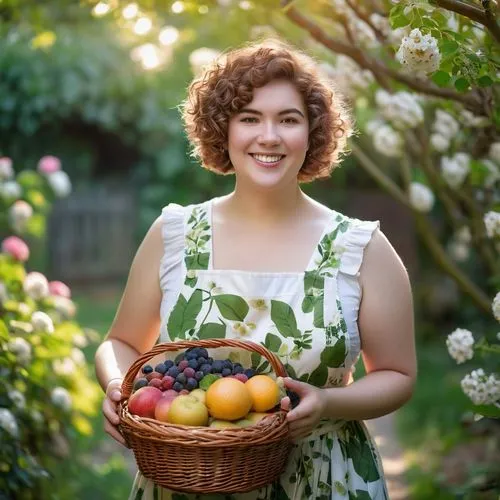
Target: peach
<point>162,408</point>
<point>143,401</point>
<point>170,394</point>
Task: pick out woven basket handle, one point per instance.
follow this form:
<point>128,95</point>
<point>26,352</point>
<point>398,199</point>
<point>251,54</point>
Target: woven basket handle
<point>186,344</point>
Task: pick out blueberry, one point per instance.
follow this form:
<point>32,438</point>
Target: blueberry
<point>249,372</point>
<point>161,368</point>
<point>227,363</point>
<point>191,355</point>
<point>210,360</point>
<point>168,363</point>
<point>177,386</point>
<point>202,353</point>
<point>202,361</point>
<point>199,375</point>
<point>238,369</point>
<point>191,384</point>
<point>173,371</point>
<point>226,372</point>
<point>140,382</point>
<point>147,369</point>
<point>206,369</point>
<point>179,357</point>
<point>181,378</point>
<point>193,363</point>
<point>217,366</point>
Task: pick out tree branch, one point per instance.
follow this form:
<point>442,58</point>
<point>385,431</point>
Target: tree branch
<point>473,13</point>
<point>376,67</point>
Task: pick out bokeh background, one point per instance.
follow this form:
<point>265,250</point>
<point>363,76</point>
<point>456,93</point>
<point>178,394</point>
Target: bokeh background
<point>92,147</point>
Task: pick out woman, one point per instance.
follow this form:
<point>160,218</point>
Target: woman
<point>321,288</point>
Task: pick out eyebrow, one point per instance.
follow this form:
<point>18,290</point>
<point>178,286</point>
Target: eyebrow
<point>284,112</point>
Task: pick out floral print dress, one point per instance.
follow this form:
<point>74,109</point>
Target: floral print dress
<point>298,316</point>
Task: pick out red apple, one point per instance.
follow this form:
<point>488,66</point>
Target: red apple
<point>170,394</point>
<point>143,401</point>
<point>162,407</point>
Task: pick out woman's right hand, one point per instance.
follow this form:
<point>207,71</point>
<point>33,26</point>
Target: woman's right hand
<point>109,410</point>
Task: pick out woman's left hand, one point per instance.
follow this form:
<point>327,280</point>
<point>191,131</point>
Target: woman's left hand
<point>307,414</point>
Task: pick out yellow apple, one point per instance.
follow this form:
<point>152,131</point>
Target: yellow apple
<point>255,416</point>
<point>199,394</point>
<point>223,424</point>
<point>244,422</point>
<point>186,410</point>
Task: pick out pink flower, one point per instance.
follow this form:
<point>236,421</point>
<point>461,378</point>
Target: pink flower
<point>60,289</point>
<point>16,247</point>
<point>49,164</point>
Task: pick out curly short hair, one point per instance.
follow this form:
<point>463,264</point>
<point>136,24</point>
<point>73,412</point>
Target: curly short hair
<point>227,86</point>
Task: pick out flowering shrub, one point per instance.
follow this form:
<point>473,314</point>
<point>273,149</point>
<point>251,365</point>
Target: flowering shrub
<point>46,393</point>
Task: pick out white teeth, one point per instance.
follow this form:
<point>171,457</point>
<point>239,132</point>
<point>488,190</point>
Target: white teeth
<point>268,158</point>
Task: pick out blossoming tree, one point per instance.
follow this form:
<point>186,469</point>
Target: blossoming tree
<point>46,394</point>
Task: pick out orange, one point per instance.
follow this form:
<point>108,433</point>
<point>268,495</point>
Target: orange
<point>264,391</point>
<point>228,399</point>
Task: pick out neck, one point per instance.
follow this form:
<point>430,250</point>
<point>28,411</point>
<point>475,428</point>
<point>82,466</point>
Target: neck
<point>262,206</point>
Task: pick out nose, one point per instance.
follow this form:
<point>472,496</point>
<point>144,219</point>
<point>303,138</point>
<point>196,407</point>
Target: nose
<point>269,135</point>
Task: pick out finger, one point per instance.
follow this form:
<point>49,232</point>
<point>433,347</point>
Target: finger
<point>115,395</point>
<point>285,404</point>
<point>113,432</point>
<point>109,411</point>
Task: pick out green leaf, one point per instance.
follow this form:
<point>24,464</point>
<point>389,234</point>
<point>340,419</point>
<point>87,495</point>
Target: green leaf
<point>272,342</point>
<point>232,307</point>
<point>461,84</point>
<point>318,320</point>
<point>441,78</point>
<point>212,331</point>
<point>399,21</point>
<point>183,315</point>
<point>319,376</point>
<point>308,304</point>
<point>489,411</point>
<point>334,356</point>
<point>313,280</point>
<point>484,81</point>
<point>283,317</point>
<point>448,47</point>
<point>197,261</point>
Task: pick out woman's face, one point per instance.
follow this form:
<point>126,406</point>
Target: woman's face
<point>268,138</point>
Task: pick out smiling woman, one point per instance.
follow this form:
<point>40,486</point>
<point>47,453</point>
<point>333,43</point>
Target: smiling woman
<point>314,286</point>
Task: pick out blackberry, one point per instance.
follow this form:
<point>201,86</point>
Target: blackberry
<point>217,366</point>
<point>177,387</point>
<point>181,378</point>
<point>226,372</point>
<point>147,369</point>
<point>168,363</point>
<point>161,368</point>
<point>193,363</point>
<point>191,384</point>
<point>140,382</point>
<point>206,369</point>
<point>173,371</point>
<point>238,369</point>
<point>199,375</point>
<point>249,372</point>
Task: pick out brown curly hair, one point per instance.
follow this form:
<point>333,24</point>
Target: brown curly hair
<point>227,86</point>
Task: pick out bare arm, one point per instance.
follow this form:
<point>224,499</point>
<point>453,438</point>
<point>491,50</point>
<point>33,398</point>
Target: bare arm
<point>387,339</point>
<point>135,327</point>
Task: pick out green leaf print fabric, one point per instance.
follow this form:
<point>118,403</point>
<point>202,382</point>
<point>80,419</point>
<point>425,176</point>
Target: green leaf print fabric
<point>299,317</point>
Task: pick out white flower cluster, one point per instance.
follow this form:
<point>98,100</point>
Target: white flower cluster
<point>36,286</point>
<point>421,197</point>
<point>42,322</point>
<point>6,170</point>
<point>10,190</point>
<point>492,222</point>
<point>61,398</point>
<point>20,213</point>
<point>419,54</point>
<point>469,119</point>
<point>460,344</point>
<point>495,307</point>
<point>444,129</point>
<point>494,152</point>
<point>455,169</point>
<point>21,349</point>
<point>17,398</point>
<point>8,422</point>
<point>64,366</point>
<point>64,306</point>
<point>482,389</point>
<point>402,109</point>
<point>387,141</point>
<point>459,247</point>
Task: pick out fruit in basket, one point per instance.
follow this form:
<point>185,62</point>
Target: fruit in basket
<point>228,399</point>
<point>143,401</point>
<point>208,380</point>
<point>140,382</point>
<point>199,394</point>
<point>255,417</point>
<point>147,369</point>
<point>187,410</point>
<point>264,392</point>
<point>156,382</point>
<point>162,408</point>
<point>223,424</point>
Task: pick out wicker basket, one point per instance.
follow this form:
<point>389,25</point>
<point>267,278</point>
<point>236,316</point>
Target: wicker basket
<point>204,459</point>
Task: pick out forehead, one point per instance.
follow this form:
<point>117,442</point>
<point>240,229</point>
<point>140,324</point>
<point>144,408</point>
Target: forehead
<point>277,95</point>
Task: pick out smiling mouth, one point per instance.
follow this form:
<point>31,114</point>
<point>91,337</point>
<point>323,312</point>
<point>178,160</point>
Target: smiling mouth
<point>267,159</point>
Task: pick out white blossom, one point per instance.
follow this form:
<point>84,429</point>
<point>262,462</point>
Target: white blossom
<point>61,398</point>
<point>381,23</point>
<point>460,344</point>
<point>21,349</point>
<point>402,109</point>
<point>459,251</point>
<point>8,422</point>
<point>60,183</point>
<point>19,214</point>
<point>440,143</point>
<point>492,222</point>
<point>64,306</point>
<point>421,197</point>
<point>79,340</point>
<point>191,274</point>
<point>36,286</point>
<point>64,366</point>
<point>24,309</point>
<point>346,75</point>
<point>481,388</point>
<point>463,235</point>
<point>77,356</point>
<point>455,169</point>
<point>42,322</point>
<point>495,306</point>
<point>494,152</point>
<point>418,53</point>
<point>445,124</point>
<point>10,190</point>
<point>17,397</point>
<point>6,170</point>
<point>373,125</point>
<point>388,142</point>
<point>469,119</point>
<point>493,175</point>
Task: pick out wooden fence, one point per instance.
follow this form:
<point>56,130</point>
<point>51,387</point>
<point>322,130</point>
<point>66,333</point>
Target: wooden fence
<point>91,236</point>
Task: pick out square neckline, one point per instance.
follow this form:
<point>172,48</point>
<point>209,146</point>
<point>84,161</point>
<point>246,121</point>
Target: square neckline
<point>284,274</point>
